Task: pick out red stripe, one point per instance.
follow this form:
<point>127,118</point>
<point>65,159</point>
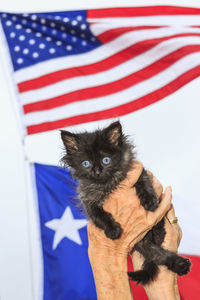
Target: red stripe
<point>112,34</point>
<point>113,87</point>
<point>95,68</point>
<point>141,11</point>
<point>122,109</point>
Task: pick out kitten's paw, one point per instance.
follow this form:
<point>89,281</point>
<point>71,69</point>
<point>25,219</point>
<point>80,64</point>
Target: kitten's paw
<point>145,275</point>
<point>114,232</point>
<point>182,266</point>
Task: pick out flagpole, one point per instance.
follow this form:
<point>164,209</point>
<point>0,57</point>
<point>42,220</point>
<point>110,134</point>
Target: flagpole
<point>17,111</point>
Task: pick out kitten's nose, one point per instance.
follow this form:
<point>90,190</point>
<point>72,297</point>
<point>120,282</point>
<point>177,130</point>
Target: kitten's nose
<point>97,171</point>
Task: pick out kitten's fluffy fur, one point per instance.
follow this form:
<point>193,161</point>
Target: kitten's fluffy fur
<point>98,180</point>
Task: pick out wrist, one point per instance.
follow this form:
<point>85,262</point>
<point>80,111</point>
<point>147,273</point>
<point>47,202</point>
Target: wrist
<point>110,274</point>
<point>108,249</point>
<point>163,287</point>
<point>161,293</point>
<point>108,257</point>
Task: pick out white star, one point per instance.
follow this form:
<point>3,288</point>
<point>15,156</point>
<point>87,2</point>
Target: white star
<point>67,227</point>
<point>52,50</point>
<point>28,30</point>
<point>79,18</point>
<point>74,23</point>
<point>26,51</point>
<point>54,31</point>
<point>9,23</point>
<point>17,48</point>
<point>20,60</point>
<point>33,17</point>
<point>18,26</point>
<point>83,26</point>
<point>32,42</point>
<point>58,43</point>
<point>69,47</point>
<point>43,21</point>
<point>42,46</point>
<point>21,37</point>
<point>12,34</point>
<point>35,54</point>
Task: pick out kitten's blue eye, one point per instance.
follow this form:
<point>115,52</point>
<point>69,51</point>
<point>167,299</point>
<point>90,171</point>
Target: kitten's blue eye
<point>86,164</point>
<point>106,160</point>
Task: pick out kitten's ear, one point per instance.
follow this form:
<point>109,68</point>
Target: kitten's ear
<point>69,140</point>
<point>114,133</point>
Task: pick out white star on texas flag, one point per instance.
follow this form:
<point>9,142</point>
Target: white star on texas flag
<point>67,227</point>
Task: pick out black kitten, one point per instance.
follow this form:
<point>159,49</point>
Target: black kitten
<point>100,161</point>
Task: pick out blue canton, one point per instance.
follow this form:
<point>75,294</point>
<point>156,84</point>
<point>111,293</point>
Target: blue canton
<point>33,38</point>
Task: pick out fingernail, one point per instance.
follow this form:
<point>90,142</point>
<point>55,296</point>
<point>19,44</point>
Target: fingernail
<point>169,188</point>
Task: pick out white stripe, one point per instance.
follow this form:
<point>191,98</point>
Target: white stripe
<point>98,54</point>
<point>103,24</point>
<point>132,93</point>
<point>137,63</point>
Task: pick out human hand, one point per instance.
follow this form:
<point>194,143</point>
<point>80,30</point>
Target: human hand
<point>124,205</point>
<point>165,285</point>
<point>108,257</point>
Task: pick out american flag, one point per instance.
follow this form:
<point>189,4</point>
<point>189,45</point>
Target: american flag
<point>80,66</point>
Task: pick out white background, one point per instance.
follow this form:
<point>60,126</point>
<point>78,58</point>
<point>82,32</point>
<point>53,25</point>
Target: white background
<point>168,142</point>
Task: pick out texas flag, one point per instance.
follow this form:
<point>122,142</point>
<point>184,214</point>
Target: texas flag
<point>67,271</point>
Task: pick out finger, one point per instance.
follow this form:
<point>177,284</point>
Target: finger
<point>168,225</point>
<point>171,213</point>
<point>180,234</point>
<point>134,174</point>
<point>165,204</point>
<point>171,216</point>
<point>150,175</point>
<point>157,186</point>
